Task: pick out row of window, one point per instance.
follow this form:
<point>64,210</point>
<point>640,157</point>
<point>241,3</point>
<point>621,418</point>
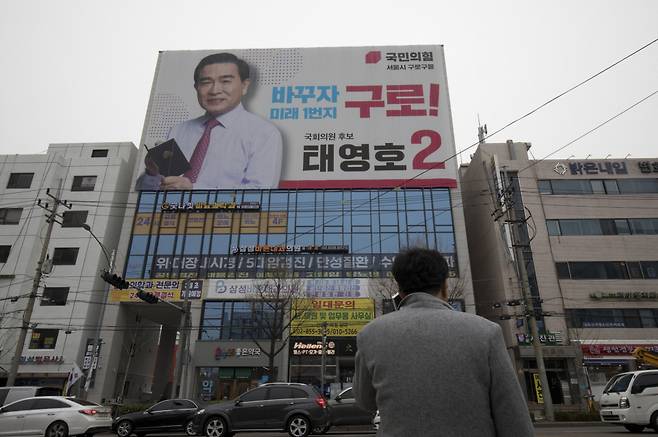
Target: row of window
<point>24,180</point>
<point>70,219</point>
<point>61,255</point>
<point>598,186</point>
<point>607,270</point>
<point>641,226</point>
<point>612,318</point>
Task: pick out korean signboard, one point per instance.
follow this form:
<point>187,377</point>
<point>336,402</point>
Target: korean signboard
<point>165,289</point>
<point>220,289</point>
<point>339,117</point>
<point>344,317</point>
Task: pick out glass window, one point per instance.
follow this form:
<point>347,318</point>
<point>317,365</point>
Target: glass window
<point>572,186</point>
<point>65,256</point>
<point>570,227</point>
<point>622,227</point>
<point>134,266</point>
<point>220,244</point>
<point>608,227</point>
<point>257,394</point>
<point>99,153</point>
<point>446,242</point>
<point>138,244</point>
<point>591,227</point>
<point>544,187</point>
<point>305,201</point>
<point>645,380</point>
<point>54,296</point>
<point>333,200</point>
<point>23,405</point>
<point>634,269</point>
<point>48,404</point>
<point>636,186</point>
<point>20,180</point>
<point>418,240</point>
<point>389,243</point>
<point>298,393</point>
<point>165,244</point>
<point>644,226</point>
<point>597,186</point>
<point>650,269</point>
<point>74,219</point>
<point>278,200</point>
<point>615,270</point>
<point>43,338</point>
<point>611,186</point>
<point>147,201</point>
<point>279,393</point>
<point>553,227</point>
<point>648,318</point>
<point>361,243</point>
<point>192,244</point>
<point>4,253</point>
<point>10,216</point>
<point>163,406</point>
<point>562,270</point>
<point>83,183</point>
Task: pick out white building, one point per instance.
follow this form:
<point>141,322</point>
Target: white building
<point>94,179</point>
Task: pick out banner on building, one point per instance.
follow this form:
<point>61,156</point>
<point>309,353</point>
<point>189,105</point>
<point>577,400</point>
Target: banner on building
<point>165,289</point>
<point>339,117</point>
<point>343,317</point>
<point>313,288</point>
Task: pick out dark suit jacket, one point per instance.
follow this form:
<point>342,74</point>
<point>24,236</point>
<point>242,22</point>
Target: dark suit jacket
<point>432,371</point>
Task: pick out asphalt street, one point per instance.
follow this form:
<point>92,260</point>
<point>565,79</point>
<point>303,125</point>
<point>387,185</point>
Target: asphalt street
<point>579,430</point>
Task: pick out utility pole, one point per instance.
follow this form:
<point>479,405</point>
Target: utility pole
<point>182,349</point>
<point>519,245</point>
<point>323,357</point>
<point>27,314</point>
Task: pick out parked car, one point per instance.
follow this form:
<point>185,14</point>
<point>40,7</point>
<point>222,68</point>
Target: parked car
<point>344,411</point>
<point>15,393</point>
<point>631,399</point>
<point>279,406</point>
<point>53,416</point>
<point>171,415</point>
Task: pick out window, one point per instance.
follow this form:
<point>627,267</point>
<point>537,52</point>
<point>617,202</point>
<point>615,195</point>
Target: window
<point>637,186</point>
<point>612,318</point>
<point>347,394</point>
<point>643,381</point>
<point>65,256</point>
<point>10,216</point>
<point>20,180</point>
<point>649,269</point>
<point>74,219</point>
<point>43,338</point>
<point>297,393</point>
<point>163,406</point>
<point>611,186</point>
<point>562,270</point>
<point>254,395</point>
<point>99,153</point>
<point>19,406</point>
<point>545,187</point>
<point>235,320</point>
<point>572,186</point>
<point>280,393</point>
<point>54,296</point>
<point>47,404</point>
<point>553,227</point>
<point>83,183</point>
<point>4,253</point>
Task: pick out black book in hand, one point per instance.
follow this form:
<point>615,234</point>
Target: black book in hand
<point>169,158</point>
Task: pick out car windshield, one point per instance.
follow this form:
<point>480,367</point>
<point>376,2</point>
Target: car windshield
<point>619,383</point>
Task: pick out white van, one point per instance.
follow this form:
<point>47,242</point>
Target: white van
<point>631,399</point>
<point>16,393</point>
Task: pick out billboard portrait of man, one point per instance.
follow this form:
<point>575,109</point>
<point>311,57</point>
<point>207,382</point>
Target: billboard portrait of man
<point>228,146</point>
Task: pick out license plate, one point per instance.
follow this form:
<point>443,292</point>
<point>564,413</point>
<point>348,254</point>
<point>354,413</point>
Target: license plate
<point>606,413</point>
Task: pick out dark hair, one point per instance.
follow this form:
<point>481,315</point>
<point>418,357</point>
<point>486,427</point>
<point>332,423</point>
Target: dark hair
<point>222,58</point>
<point>420,270</point>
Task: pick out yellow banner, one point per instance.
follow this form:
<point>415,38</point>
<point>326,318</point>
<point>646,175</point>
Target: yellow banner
<point>538,389</point>
<point>273,222</point>
<point>165,289</point>
<point>344,317</point>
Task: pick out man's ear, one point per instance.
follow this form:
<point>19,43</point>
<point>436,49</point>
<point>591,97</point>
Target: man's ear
<point>245,86</point>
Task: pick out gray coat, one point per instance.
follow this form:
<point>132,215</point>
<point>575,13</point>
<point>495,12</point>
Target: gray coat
<point>432,371</point>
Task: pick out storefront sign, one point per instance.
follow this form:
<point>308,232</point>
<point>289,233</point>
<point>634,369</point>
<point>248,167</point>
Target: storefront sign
<point>597,168</point>
<point>311,288</point>
<point>624,295</point>
<point>538,390</point>
<point>165,289</point>
<point>546,338</point>
<point>237,352</point>
<point>215,206</point>
<point>302,265</point>
<point>290,249</point>
<point>601,349</point>
<point>313,348</point>
<point>343,317</point>
<point>648,167</point>
<point>42,359</point>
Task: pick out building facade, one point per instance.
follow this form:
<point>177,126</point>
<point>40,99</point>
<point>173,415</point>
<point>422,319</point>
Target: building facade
<point>588,230</point>
<point>93,180</point>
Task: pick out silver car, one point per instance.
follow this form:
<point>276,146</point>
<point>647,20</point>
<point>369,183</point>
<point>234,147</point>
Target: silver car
<point>53,416</point>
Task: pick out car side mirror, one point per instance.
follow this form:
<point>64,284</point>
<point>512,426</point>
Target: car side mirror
<point>148,411</point>
<point>338,398</point>
<point>238,401</point>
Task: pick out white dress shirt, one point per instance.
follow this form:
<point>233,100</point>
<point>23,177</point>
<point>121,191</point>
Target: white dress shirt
<point>245,151</point>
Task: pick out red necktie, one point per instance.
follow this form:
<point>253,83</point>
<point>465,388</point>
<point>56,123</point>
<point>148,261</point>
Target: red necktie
<point>200,151</point>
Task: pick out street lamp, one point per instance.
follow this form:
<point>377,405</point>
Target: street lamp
<point>97,338</point>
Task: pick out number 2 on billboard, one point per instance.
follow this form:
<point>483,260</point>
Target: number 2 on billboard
<point>435,142</point>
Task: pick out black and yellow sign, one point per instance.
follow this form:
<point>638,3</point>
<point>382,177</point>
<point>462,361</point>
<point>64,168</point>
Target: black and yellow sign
<point>344,317</point>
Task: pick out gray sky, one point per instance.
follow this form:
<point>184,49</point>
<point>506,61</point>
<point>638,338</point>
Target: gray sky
<point>81,71</point>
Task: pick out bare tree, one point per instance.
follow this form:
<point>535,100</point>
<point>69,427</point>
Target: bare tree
<point>383,289</point>
<point>277,303</point>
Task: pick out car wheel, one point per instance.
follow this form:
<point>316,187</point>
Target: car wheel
<point>299,426</point>
<point>321,429</point>
<point>124,428</point>
<point>215,427</point>
<point>57,429</point>
<point>189,428</point>
<point>634,428</point>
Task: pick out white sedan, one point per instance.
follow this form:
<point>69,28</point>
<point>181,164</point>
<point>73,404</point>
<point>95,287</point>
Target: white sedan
<point>53,416</point>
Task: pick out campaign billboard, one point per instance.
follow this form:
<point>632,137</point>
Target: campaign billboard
<point>339,117</point>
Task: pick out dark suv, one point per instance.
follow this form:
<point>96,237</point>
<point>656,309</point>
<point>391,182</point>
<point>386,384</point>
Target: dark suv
<point>278,406</point>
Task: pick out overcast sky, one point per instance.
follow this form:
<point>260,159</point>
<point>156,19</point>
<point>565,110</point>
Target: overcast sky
<point>81,71</point>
